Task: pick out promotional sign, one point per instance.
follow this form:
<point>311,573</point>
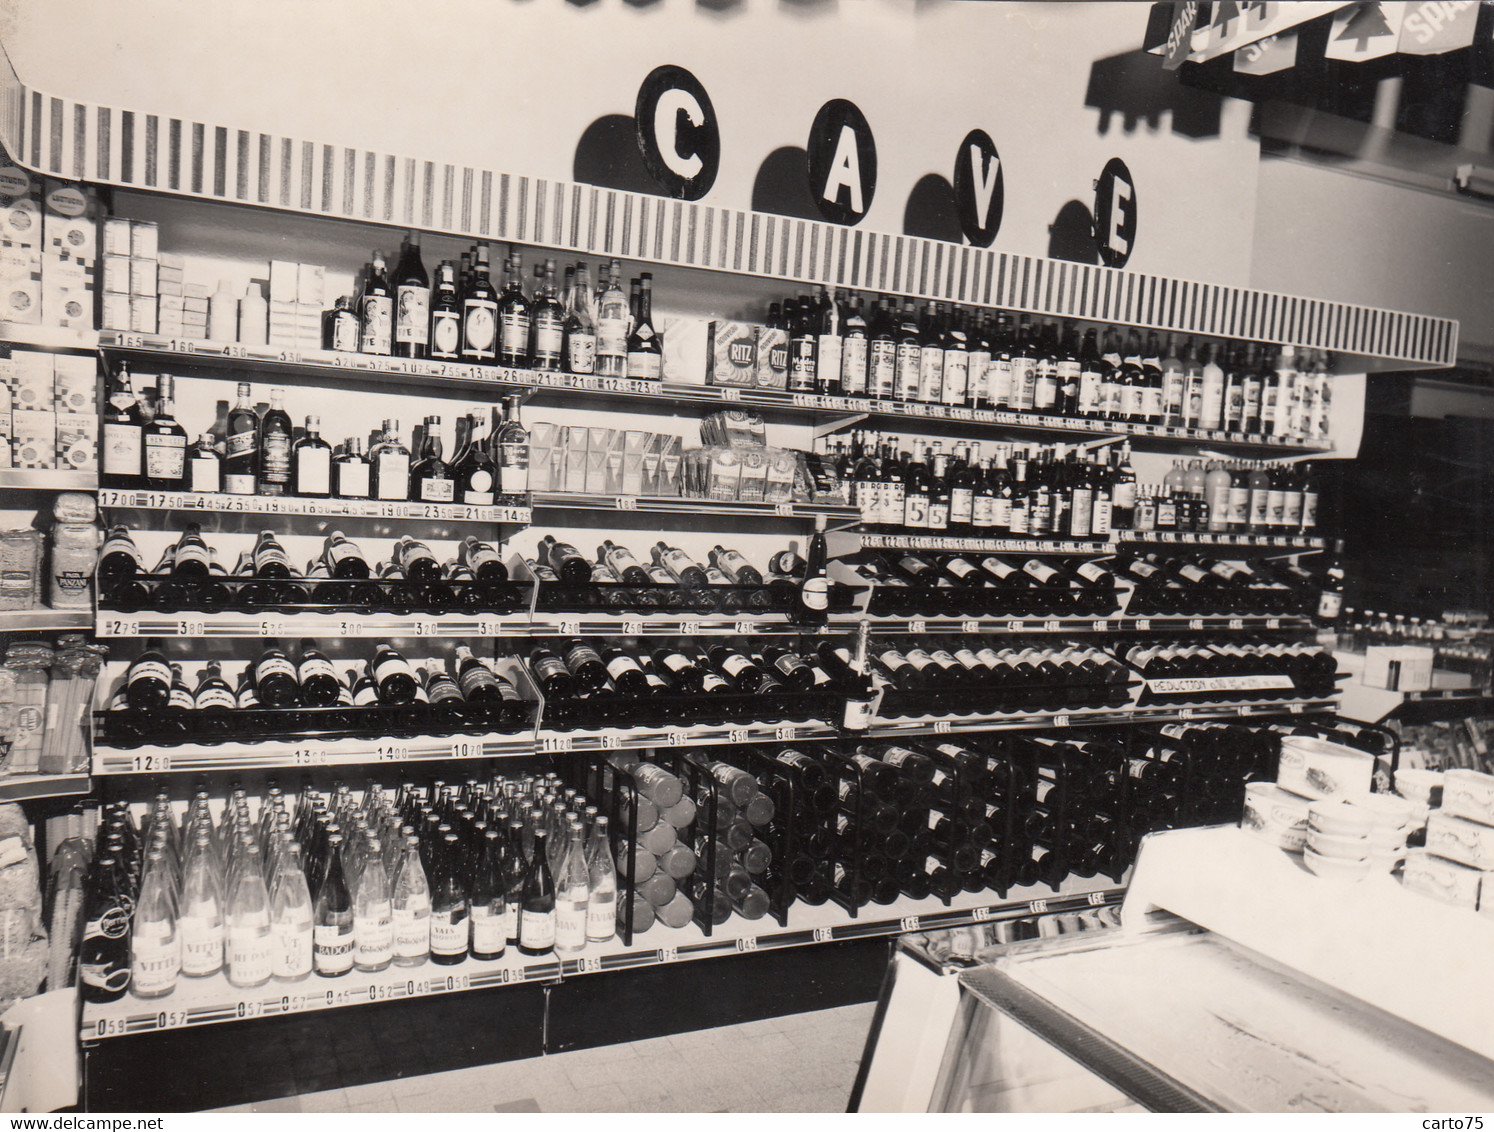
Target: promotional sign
<point>979,188</point>
<point>842,162</point>
<point>1366,31</point>
<point>1235,23</point>
<point>677,132</point>
<point>1115,213</point>
<point>1435,26</point>
<point>1268,56</point>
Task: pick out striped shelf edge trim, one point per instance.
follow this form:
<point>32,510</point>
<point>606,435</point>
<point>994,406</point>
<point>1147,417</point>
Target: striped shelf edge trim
<point>124,148</point>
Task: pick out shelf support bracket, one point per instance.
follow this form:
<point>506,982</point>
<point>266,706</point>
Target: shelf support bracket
<point>835,424</point>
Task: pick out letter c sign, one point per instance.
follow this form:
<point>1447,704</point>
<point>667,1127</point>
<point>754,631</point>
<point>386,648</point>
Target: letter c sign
<point>677,132</point>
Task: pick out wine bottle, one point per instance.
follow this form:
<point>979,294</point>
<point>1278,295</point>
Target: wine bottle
<point>537,904</point>
<point>123,441</point>
<point>412,301</point>
<point>812,597</point>
<point>376,310</point>
<point>445,334</point>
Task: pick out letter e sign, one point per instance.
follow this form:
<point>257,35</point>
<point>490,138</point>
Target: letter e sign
<point>842,162</point>
<point>1115,213</point>
<point>980,188</point>
<point>677,132</point>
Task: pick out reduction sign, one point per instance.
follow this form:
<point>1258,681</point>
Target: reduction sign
<point>1115,213</point>
<point>677,132</point>
<point>842,162</point>
<point>979,188</point>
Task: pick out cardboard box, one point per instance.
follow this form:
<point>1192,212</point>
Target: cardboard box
<point>754,474</point>
<point>1404,668</point>
<point>74,384</point>
<point>635,444</point>
<point>598,445</point>
<point>117,237</point>
<point>653,459</point>
<point>575,461</point>
<point>772,358</point>
<point>116,275</point>
<point>114,311</point>
<point>70,220</point>
<point>145,239</point>
<point>67,292</point>
<point>33,438</point>
<point>33,381</point>
<point>284,279</point>
<point>76,445</point>
<point>20,207</point>
<point>615,459</point>
<point>20,284</point>
<point>311,285</point>
<point>143,277</point>
<point>142,314</point>
<point>731,354</point>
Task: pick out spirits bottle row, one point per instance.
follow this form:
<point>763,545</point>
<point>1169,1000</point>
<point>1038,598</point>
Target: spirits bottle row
<point>261,454</point>
<point>465,317</point>
<point>960,357</point>
<point>283,696</point>
<point>1062,492</point>
<point>330,884</point>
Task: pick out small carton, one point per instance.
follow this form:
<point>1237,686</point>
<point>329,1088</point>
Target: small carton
<point>284,279</point>
<point>311,285</point>
<point>598,445</point>
<point>1431,875</point>
<point>142,314</point>
<point>114,311</point>
<point>70,220</point>
<point>20,207</point>
<point>615,461</point>
<point>145,239</point>
<point>1458,839</point>
<point>34,377</point>
<point>772,358</point>
<point>671,456</point>
<point>116,275</point>
<point>543,436</point>
<point>1469,794</point>
<point>723,473</point>
<point>635,444</point>
<point>779,485</point>
<point>76,446</point>
<point>20,284</point>
<point>754,475</point>
<point>653,458</point>
<point>143,277</point>
<point>67,292</point>
<point>117,237</point>
<point>731,354</point>
<point>74,384</point>
<point>575,460</point>
<point>33,438</point>
<point>1403,668</point>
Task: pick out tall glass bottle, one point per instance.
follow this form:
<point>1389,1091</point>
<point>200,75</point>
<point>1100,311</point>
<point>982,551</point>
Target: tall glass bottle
<point>155,947</point>
<point>601,899</point>
<point>373,918</point>
<point>241,455</point>
<point>612,327</point>
<point>537,905</point>
<point>547,325</point>
<point>275,435</point>
<point>431,480</point>
<point>412,301</point>
<point>123,456</point>
<point>480,313</point>
<point>445,338</point>
<point>410,908</point>
<point>389,466</point>
<point>251,945</point>
<point>200,911</point>
<point>291,916</point>
<point>311,462</point>
<point>165,442</point>
<point>581,326</point>
<point>514,869</point>
<point>104,953</point>
<point>572,889</point>
<point>513,316</point>
<point>332,931</point>
<point>449,904</point>
<point>376,310</point>
<point>489,900</point>
<point>645,347</point>
<point>512,440</point>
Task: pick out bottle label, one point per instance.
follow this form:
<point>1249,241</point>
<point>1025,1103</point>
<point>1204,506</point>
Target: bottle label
<point>570,923</point>
<point>1099,523</point>
<point>412,314</point>
<point>511,921</point>
<point>735,664</point>
<point>446,334</point>
<point>1292,509</point>
<point>315,666</point>
<point>1044,387</point>
<point>1309,510</point>
<point>155,960</point>
<point>165,455</point>
<point>882,373</point>
<point>514,466</point>
<point>601,916</point>
<point>828,358</point>
<point>214,697</point>
<point>345,332</point>
<point>437,490</point>
<point>1040,571</point>
<point>479,329</point>
<point>930,373</point>
<point>314,470</point>
<point>644,365</point>
<point>1330,603</point>
<point>203,474</point>
<point>982,510</point>
<point>1238,510</point>
<point>801,365</point>
<point>537,929</point>
<point>488,932</point>
<point>514,328</point>
<point>250,955</point>
<point>956,376</point>
<point>815,594</point>
<point>412,932</point>
<point>549,335</point>
<point>998,567</point>
<point>275,458</point>
<point>145,669</point>
<point>181,698</point>
<point>580,352</point>
<point>1023,382</point>
<point>909,357</point>
<point>292,955</point>
<point>390,666</point>
<point>915,510</point>
<point>938,514</point>
<point>332,948</point>
<point>612,337</point>
<point>273,666</point>
<point>474,678</point>
<point>394,475</point>
<point>619,665</point>
<point>378,318</point>
<point>853,366</point>
<point>961,505</point>
<point>449,931</point>
<point>1276,508</point>
<point>352,479</point>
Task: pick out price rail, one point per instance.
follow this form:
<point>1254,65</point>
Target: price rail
<point>214,1001</point>
<point>218,503</point>
<point>1115,623</point>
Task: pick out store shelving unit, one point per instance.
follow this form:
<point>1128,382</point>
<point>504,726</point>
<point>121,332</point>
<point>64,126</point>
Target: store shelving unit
<point>207,1001</point>
<point>23,787</point>
<point>41,620</point>
<point>48,479</point>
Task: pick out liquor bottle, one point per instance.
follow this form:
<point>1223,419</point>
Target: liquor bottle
<point>340,327</point>
<point>251,944</point>
<point>431,477</point>
<point>389,464</point>
<point>1045,372</point>
<point>350,471</point>
<point>273,448</point>
<point>854,356</point>
<point>155,949</point>
<point>474,475</point>
<point>1211,414</point>
<point>1123,492</point>
<point>410,908</point>
<point>645,348</point>
<point>1331,595</point>
<point>572,893</point>
<point>488,899</point>
<point>450,907</point>
<point>392,675</point>
<point>547,325</point>
<point>826,319</point>
<point>512,439</point>
<point>581,325</point>
<point>332,939</point>
<point>537,904</point>
<point>881,374</point>
<point>513,316</point>
<point>311,462</point>
<point>204,471</point>
<point>931,356</point>
<point>480,313</point>
<point>445,333</point>
<point>811,604</point>
<point>612,326</point>
<point>292,917</point>
<point>956,379</point>
<point>412,301</point>
<point>376,310</point>
<point>165,443</point>
<point>123,439</point>
<point>909,355</point>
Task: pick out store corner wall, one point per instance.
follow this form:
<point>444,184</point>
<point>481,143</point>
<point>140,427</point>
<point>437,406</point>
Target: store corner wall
<point>514,86</point>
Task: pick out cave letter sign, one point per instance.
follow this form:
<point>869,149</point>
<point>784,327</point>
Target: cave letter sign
<point>677,132</point>
<point>842,162</point>
<point>1115,213</point>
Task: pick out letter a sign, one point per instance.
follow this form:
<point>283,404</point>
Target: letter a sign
<point>979,188</point>
<point>842,162</point>
<point>1115,213</point>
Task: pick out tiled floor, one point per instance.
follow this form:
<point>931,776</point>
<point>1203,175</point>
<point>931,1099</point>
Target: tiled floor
<point>795,1063</point>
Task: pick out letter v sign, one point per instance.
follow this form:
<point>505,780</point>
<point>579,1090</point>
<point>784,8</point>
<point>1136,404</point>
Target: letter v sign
<point>979,186</point>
